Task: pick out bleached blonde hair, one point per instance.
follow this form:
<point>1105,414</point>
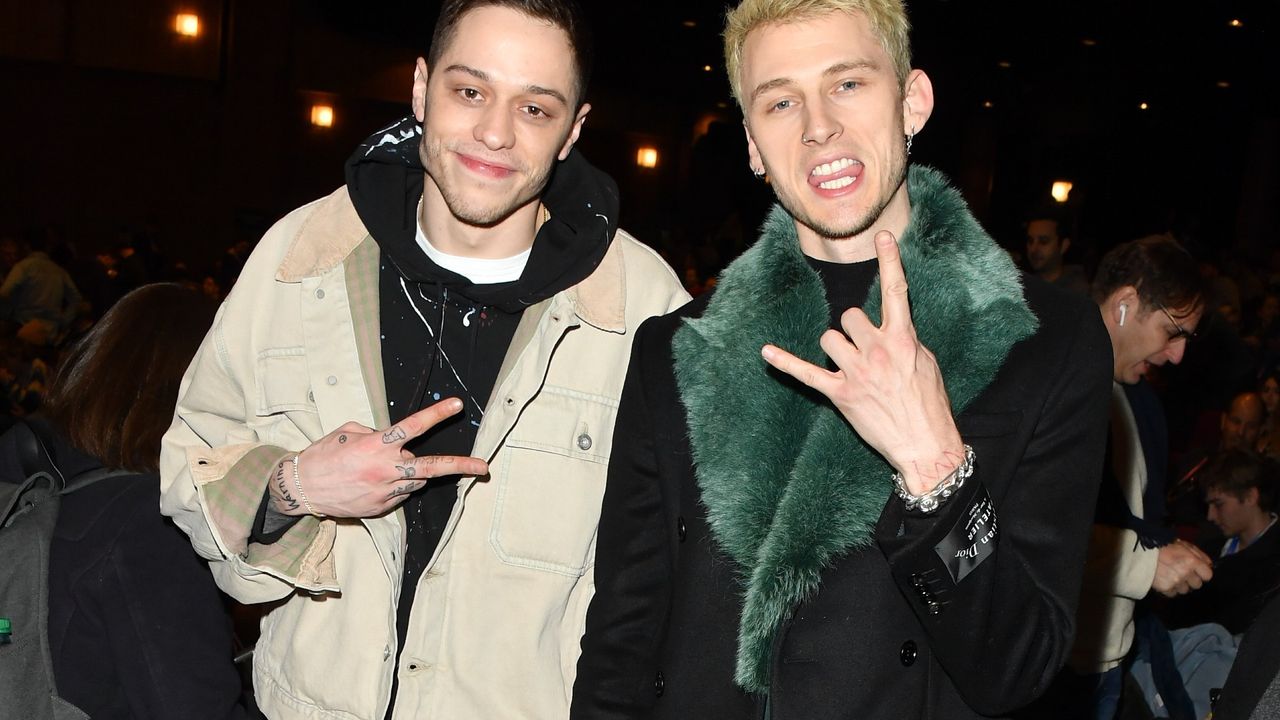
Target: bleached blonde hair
<point>888,20</point>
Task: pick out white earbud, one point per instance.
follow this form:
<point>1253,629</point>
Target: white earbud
<point>1124,310</point>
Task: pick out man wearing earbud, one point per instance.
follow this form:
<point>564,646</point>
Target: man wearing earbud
<point>1150,296</point>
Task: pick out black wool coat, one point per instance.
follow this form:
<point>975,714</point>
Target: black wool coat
<point>889,631</point>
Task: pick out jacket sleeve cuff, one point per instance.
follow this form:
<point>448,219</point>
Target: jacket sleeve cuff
<point>231,482</point>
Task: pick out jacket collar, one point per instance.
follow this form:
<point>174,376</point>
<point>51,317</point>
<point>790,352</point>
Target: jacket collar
<point>789,486</point>
<point>333,230</point>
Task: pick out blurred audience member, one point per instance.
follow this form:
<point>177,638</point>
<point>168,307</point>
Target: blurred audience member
<point>1240,489</point>
<point>39,296</point>
<point>136,627</point>
<point>1047,243</point>
<point>1269,438</point>
<point>1239,428</point>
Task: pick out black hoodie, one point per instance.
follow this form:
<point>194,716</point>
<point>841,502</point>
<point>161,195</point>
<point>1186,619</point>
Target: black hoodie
<point>443,336</point>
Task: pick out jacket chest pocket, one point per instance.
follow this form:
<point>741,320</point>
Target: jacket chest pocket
<point>286,408</point>
<point>550,482</point>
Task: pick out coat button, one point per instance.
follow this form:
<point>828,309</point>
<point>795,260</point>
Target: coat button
<point>319,294</point>
<point>584,442</point>
<point>908,653</point>
<point>659,684</point>
<point>681,530</point>
<point>332,380</point>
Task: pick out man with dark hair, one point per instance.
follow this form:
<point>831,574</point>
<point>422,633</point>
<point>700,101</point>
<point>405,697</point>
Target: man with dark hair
<point>1240,489</point>
<point>1149,295</point>
<point>1047,243</point>
<point>468,293</point>
<point>826,500</point>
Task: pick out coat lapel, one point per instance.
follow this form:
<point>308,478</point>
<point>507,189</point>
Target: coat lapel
<point>787,484</point>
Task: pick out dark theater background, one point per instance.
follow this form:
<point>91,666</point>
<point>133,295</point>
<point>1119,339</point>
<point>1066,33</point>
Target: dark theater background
<point>199,122</point>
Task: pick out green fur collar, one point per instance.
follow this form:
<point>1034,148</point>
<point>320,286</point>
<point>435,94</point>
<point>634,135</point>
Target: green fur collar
<point>787,484</point>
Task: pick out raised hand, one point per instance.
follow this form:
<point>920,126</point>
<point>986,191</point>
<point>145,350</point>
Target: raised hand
<point>358,472</point>
<point>887,384</point>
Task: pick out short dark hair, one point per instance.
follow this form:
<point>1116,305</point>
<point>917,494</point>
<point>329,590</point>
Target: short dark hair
<point>114,394</point>
<point>1235,471</point>
<point>1158,267</point>
<point>1053,215</point>
<point>564,14</point>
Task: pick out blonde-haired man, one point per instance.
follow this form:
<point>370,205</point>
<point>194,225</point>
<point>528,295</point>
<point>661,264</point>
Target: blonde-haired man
<point>827,500</point>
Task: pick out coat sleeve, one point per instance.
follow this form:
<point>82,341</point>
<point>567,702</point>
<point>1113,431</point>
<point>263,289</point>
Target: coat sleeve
<point>214,470</point>
<point>1002,627</point>
<point>633,562</point>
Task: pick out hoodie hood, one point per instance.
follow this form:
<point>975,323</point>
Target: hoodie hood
<point>385,180</point>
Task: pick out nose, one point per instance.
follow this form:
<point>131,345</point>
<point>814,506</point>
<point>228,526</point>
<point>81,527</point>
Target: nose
<point>495,128</point>
<point>1176,350</point>
<point>820,125</point>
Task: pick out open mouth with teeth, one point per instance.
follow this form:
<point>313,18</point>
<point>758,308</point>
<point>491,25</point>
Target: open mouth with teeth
<point>835,175</point>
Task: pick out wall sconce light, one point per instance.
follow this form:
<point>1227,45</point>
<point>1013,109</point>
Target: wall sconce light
<point>187,25</point>
<point>322,115</point>
<point>647,157</point>
<point>1061,190</point>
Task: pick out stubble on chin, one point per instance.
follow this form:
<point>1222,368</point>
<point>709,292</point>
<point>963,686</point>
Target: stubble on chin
<point>495,207</point>
<point>860,224</point>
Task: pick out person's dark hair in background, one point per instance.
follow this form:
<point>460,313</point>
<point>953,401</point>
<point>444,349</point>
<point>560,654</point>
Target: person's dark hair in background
<point>136,627</point>
<point>113,395</point>
<point>564,14</point>
<point>1163,273</point>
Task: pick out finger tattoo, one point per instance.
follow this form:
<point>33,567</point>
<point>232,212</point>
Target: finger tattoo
<point>404,489</point>
<point>407,470</point>
<point>394,435</point>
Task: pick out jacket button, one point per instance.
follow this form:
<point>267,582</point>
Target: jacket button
<point>659,684</point>
<point>908,653</point>
<point>681,530</point>
<point>332,380</point>
<point>584,442</point>
<point>319,294</point>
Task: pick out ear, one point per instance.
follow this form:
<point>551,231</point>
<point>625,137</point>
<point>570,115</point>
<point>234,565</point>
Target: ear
<point>1250,496</point>
<point>420,90</point>
<point>753,153</point>
<point>1066,245</point>
<point>917,101</point>
<point>1127,296</point>
<point>574,131</point>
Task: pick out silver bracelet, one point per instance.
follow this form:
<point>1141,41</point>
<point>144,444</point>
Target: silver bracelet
<point>297,483</point>
<point>930,501</point>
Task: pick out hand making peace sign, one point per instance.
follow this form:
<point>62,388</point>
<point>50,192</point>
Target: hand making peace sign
<point>358,472</point>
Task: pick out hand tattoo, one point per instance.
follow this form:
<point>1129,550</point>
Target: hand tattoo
<point>284,488</point>
<point>408,470</point>
<point>393,435</point>
<point>405,489</point>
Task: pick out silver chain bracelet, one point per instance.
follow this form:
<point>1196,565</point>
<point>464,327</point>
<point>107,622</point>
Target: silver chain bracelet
<point>297,483</point>
<point>930,501</point>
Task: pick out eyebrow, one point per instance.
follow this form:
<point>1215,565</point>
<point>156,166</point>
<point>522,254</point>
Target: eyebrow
<point>838,68</point>
<point>484,77</point>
